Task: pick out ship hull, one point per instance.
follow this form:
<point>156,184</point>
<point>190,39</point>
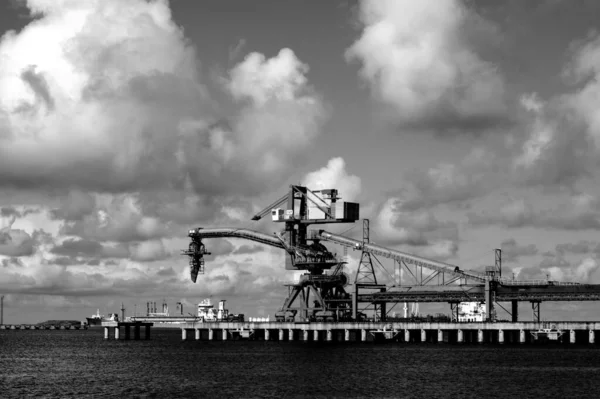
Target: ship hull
<point>95,322</point>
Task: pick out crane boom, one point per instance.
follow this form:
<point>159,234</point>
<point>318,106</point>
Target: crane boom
<point>238,233</point>
<point>402,256</point>
<point>275,204</point>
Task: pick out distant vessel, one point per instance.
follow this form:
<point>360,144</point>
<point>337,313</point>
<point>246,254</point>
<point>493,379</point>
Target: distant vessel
<point>547,334</point>
<point>97,319</point>
<point>206,312</point>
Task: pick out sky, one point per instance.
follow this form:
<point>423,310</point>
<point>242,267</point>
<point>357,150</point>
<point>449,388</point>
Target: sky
<point>460,126</point>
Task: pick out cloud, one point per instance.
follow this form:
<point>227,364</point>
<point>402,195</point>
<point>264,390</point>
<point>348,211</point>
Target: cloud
<point>247,249</point>
<point>557,268</point>
<point>334,175</point>
<point>397,226</point>
<point>106,98</point>
<point>557,151</point>
<point>14,242</point>
<point>89,248</point>
<point>511,251</point>
<point>75,206</point>
<point>573,212</point>
<point>148,251</point>
<point>418,59</point>
<point>581,247</point>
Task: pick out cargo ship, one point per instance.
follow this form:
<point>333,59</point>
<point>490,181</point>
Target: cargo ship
<point>206,312</point>
<point>96,319</point>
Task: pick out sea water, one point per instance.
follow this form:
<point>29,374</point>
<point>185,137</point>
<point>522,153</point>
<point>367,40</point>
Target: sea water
<point>80,363</point>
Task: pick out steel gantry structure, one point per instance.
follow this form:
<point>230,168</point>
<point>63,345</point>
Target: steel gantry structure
<point>320,294</point>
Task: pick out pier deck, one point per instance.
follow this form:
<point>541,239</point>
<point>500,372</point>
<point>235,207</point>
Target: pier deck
<point>499,332</point>
<point>116,325</point>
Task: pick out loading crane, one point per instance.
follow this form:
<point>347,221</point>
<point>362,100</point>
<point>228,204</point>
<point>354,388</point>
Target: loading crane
<point>317,295</point>
<point>320,293</point>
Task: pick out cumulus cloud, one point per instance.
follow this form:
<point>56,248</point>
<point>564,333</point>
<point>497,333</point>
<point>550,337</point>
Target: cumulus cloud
<point>106,97</point>
<point>334,175</point>
<point>397,226</point>
<point>557,268</point>
<point>557,150</point>
<point>417,58</point>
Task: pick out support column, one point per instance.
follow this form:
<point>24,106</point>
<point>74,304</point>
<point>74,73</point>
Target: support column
<point>267,334</point>
<point>127,332</point>
<point>591,336</point>
<point>305,335</point>
<point>501,336</point>
<point>347,335</point>
<point>535,308</point>
<point>224,333</point>
<point>406,335</point>
<point>316,335</point>
<point>480,336</point>
<point>211,334</point>
<point>329,335</point>
<point>117,331</point>
<point>572,336</point>
<point>281,336</point>
<point>197,334</point>
<point>136,332</point>
<point>363,335</point>
<point>183,334</point>
<point>460,337</point>
<point>291,334</point>
<point>423,335</point>
<point>522,336</point>
<point>515,311</point>
<point>440,336</point>
<point>105,332</point>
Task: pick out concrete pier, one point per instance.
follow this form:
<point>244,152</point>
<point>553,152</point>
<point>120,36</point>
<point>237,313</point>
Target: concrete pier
<point>451,333</point>
<point>127,326</point>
